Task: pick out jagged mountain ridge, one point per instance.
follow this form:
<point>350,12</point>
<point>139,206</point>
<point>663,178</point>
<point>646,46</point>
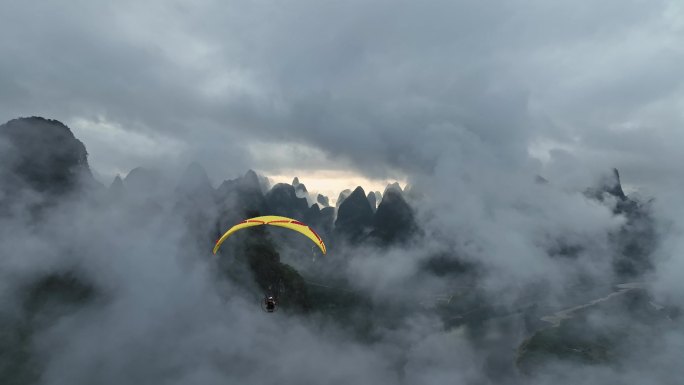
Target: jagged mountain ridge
<point>391,219</point>
<point>238,198</point>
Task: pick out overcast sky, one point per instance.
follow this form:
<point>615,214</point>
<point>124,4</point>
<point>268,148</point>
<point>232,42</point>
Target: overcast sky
<point>384,89</point>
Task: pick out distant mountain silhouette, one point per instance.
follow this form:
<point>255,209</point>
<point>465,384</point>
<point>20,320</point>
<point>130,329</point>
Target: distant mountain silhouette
<point>322,200</point>
<point>283,200</point>
<point>609,185</point>
<point>43,156</point>
<point>637,239</point>
<point>143,181</point>
<point>394,220</point>
<point>300,188</point>
<point>238,196</point>
<point>372,201</point>
<point>117,190</point>
<point>354,216</point>
<point>343,195</point>
<point>194,182</point>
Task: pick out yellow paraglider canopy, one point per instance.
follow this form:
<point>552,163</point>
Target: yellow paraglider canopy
<point>273,220</point>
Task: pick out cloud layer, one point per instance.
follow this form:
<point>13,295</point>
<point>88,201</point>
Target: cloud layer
<point>387,87</point>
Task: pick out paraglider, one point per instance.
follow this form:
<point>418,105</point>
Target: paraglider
<point>274,220</point>
<point>269,303</point>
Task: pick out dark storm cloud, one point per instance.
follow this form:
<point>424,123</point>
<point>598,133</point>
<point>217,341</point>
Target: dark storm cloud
<point>387,85</point>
